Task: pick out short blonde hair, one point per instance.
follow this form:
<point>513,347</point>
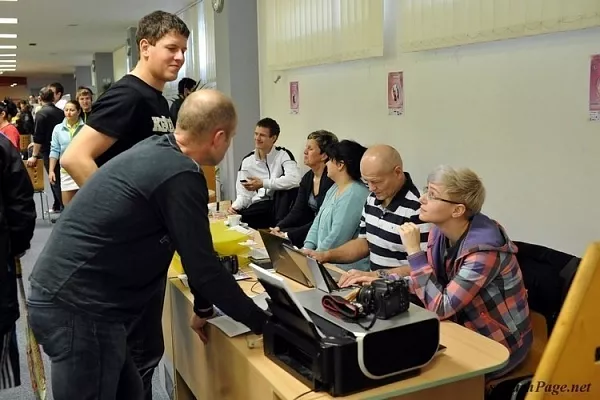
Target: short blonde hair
<point>83,92</point>
<point>461,185</point>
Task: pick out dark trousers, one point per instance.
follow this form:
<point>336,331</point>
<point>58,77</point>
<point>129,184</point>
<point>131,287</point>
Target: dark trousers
<point>145,339</point>
<point>259,215</point>
<point>97,359</point>
<point>55,187</point>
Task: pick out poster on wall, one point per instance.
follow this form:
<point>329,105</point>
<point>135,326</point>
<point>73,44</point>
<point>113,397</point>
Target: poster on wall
<point>395,93</point>
<point>595,88</point>
<point>294,98</point>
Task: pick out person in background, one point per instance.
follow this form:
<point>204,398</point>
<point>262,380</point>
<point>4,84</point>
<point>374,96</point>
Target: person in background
<point>59,95</point>
<point>8,110</point>
<point>109,254</point>
<point>313,187</point>
<point>45,120</point>
<point>24,125</point>
<point>36,106</point>
<point>394,200</point>
<point>61,137</point>
<point>84,97</point>
<point>338,219</point>
<point>131,110</point>
<point>24,118</point>
<point>264,171</point>
<point>17,223</point>
<point>184,88</point>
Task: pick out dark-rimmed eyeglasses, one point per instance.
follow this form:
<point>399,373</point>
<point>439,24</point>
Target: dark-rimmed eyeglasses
<point>430,196</point>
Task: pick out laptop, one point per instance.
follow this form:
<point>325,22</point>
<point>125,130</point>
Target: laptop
<point>319,276</point>
<point>281,260</point>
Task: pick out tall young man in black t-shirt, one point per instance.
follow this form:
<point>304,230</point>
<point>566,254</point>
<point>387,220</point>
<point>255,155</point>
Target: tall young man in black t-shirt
<point>104,264</point>
<point>130,111</point>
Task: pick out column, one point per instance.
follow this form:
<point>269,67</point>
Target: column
<point>236,55</point>
<point>83,76</point>
<point>102,71</point>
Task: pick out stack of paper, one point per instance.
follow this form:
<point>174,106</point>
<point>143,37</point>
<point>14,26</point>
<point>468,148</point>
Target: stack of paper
<point>231,327</point>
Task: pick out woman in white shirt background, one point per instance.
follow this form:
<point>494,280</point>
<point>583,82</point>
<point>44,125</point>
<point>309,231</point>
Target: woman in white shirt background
<point>62,135</point>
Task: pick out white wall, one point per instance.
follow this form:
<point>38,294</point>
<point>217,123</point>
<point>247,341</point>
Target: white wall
<point>119,63</point>
<point>514,111</point>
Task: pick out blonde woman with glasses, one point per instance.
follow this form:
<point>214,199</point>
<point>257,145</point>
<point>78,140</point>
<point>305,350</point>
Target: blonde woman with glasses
<point>469,273</point>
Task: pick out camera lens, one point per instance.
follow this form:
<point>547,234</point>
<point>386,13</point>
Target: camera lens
<point>365,296</point>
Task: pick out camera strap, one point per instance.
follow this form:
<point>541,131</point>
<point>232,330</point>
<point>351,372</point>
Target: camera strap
<point>341,308</point>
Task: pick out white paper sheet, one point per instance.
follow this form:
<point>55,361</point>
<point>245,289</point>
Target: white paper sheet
<point>231,327</point>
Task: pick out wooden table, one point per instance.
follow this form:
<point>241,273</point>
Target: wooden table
<point>227,368</point>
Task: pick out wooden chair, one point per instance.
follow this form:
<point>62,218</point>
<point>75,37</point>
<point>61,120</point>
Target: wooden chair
<point>24,141</point>
<point>572,356</point>
<point>36,174</point>
<point>211,182</point>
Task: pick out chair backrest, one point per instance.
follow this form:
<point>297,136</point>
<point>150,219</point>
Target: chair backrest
<point>547,275</point>
<point>36,174</point>
<point>572,356</point>
<point>209,175</point>
<point>24,141</point>
<point>283,201</point>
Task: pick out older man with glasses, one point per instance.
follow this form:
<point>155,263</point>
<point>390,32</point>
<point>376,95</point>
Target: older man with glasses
<point>394,200</point>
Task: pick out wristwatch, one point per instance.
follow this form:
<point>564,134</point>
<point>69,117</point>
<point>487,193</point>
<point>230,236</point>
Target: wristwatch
<point>35,156</point>
<point>382,273</point>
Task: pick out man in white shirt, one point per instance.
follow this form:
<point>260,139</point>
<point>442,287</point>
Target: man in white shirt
<point>60,99</point>
<point>263,172</point>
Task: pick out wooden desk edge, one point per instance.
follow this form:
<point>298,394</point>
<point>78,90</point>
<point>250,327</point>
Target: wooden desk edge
<point>366,395</point>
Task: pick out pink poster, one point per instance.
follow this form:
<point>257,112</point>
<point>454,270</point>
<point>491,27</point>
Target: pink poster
<point>294,98</point>
<point>595,88</point>
<point>395,93</point>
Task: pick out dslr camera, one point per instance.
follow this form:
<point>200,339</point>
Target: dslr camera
<point>230,263</point>
<point>384,298</point>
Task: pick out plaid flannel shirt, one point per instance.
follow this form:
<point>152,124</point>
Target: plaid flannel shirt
<point>485,292</point>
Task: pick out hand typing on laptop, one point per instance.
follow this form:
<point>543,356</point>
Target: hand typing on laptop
<point>320,256</point>
<point>356,277</point>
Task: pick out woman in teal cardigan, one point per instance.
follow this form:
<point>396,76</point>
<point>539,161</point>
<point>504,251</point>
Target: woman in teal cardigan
<point>62,135</point>
<point>338,219</point>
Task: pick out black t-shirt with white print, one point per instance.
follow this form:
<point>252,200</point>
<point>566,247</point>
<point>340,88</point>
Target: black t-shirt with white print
<point>129,111</point>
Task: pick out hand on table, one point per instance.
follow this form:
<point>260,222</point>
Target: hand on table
<point>198,325</point>
<point>231,211</point>
<point>355,277</point>
<point>252,184</point>
<point>277,231</point>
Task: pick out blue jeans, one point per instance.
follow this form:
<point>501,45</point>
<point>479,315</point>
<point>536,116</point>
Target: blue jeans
<point>91,359</point>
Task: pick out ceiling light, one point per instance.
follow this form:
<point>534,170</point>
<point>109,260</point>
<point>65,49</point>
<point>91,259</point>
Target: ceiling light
<point>13,85</point>
<point>8,47</point>
<point>7,69</point>
<point>7,55</point>
<point>8,61</point>
<point>8,66</point>
<point>8,35</point>
<point>9,21</point>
